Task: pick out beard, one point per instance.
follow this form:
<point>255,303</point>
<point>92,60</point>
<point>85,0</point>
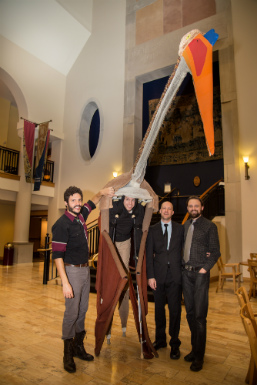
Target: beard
<point>195,214</point>
<point>72,209</point>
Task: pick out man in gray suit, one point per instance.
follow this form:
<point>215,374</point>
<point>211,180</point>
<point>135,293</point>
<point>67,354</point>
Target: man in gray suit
<point>201,252</point>
<point>163,264</point>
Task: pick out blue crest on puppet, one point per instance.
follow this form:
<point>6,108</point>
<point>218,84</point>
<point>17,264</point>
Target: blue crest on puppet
<point>211,36</point>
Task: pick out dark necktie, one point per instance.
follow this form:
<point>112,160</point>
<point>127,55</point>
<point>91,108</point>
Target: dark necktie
<point>188,242</point>
<point>166,236</point>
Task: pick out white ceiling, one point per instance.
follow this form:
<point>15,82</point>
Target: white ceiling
<point>53,31</point>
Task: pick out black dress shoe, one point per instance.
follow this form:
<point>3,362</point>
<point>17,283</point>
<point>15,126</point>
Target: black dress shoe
<point>189,357</point>
<point>175,353</point>
<point>196,366</point>
<point>158,345</point>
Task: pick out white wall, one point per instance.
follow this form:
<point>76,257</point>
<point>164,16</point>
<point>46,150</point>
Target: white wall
<point>98,75</point>
<point>42,87</point>
<point>244,15</point>
<point>39,92</point>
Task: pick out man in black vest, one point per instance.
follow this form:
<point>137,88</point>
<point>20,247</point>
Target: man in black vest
<point>163,264</point>
<point>201,252</point>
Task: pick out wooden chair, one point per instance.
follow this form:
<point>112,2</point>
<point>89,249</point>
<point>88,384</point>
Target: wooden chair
<point>243,299</point>
<point>253,277</point>
<point>251,331</point>
<point>223,274</point>
<point>253,256</point>
<point>242,296</point>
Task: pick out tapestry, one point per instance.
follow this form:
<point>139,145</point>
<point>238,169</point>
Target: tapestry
<point>181,138</point>
<point>41,153</point>
<point>28,145</point>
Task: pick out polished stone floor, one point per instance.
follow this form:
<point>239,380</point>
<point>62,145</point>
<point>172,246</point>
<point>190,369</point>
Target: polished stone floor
<point>31,348</point>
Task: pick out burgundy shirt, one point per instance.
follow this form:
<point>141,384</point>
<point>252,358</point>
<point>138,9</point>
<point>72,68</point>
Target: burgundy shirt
<point>70,236</point>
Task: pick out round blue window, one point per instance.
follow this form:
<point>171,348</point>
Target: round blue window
<point>89,131</point>
<point>94,133</point>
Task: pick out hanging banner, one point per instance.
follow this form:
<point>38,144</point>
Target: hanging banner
<point>43,140</point>
<point>28,145</point>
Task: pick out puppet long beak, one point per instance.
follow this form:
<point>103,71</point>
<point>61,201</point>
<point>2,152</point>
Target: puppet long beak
<point>198,56</point>
<point>195,53</point>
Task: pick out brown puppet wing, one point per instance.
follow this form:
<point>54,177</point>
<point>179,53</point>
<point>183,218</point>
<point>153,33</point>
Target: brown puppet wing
<point>110,282</point>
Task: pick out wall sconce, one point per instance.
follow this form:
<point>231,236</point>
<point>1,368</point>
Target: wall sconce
<point>246,159</point>
<point>167,187</point>
<point>115,174</point>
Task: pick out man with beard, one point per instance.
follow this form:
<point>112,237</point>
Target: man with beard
<point>163,265</point>
<point>70,252</point>
<point>201,252</point>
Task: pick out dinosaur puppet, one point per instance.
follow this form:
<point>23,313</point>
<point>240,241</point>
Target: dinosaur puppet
<point>195,57</point>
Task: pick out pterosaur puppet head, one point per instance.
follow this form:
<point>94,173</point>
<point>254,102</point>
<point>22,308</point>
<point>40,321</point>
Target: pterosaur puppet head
<point>195,57</point>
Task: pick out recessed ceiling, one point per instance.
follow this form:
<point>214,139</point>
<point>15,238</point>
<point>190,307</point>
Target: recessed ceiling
<point>47,30</point>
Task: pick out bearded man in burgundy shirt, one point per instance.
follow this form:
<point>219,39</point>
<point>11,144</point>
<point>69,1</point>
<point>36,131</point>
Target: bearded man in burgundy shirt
<point>70,252</point>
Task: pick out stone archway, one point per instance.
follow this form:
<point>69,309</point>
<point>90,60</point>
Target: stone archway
<point>23,250</point>
<point>17,94</point>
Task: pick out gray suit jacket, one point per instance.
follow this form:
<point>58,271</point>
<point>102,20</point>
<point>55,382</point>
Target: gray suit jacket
<point>158,257</point>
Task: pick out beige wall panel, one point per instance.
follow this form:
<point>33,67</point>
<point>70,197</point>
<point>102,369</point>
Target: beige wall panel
<point>128,137</point>
<point>229,132</point>
<point>149,22</point>
<point>130,31</point>
<point>227,74</point>
<point>163,51</point>
<point>194,11</point>
<point>172,15</point>
<point>234,230</point>
<point>129,102</point>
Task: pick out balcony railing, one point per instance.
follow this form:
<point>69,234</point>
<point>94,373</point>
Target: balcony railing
<point>49,171</point>
<point>9,163</point>
<point>48,175</point>
<point>9,160</point>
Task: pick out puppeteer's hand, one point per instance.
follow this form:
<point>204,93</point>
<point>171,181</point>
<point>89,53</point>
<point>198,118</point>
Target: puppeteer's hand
<point>67,291</point>
<point>108,191</point>
<point>152,283</point>
<point>202,271</point>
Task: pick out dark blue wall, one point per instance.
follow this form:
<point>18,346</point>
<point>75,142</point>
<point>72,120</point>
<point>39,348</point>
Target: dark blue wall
<point>182,176</point>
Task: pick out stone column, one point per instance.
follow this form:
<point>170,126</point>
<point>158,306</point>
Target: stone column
<point>23,250</point>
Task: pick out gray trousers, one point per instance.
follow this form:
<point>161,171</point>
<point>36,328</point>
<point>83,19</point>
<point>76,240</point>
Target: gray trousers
<point>124,252</point>
<point>76,307</point>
